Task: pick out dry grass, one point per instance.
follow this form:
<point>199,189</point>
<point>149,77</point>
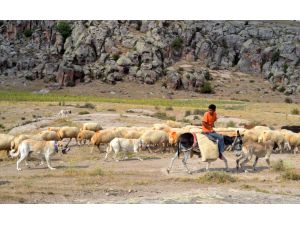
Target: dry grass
<point>291,175</point>
<point>280,166</point>
<point>217,177</point>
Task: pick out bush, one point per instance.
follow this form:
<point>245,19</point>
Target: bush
<point>2,126</point>
<point>275,56</point>
<point>290,175</point>
<point>196,117</point>
<point>163,116</point>
<point>281,89</point>
<point>177,43</point>
<point>285,67</point>
<point>23,118</point>
<point>295,112</point>
<point>111,110</point>
<point>169,108</point>
<point>231,124</point>
<point>217,177</point>
<point>89,105</point>
<point>279,166</point>
<point>83,113</point>
<point>64,29</point>
<point>199,112</point>
<point>28,33</point>
<point>115,57</point>
<point>62,103</point>
<point>288,100</point>
<point>206,88</point>
<point>187,113</point>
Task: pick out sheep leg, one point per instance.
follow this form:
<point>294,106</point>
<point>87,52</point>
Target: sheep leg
<point>116,155</point>
<point>207,166</point>
<point>296,150</point>
<point>172,161</point>
<point>68,142</point>
<point>108,150</point>
<point>255,162</point>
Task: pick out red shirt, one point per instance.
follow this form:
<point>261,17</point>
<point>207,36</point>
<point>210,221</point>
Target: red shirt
<point>210,120</point>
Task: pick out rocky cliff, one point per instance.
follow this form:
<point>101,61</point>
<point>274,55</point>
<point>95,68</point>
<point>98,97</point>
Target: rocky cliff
<point>146,51</point>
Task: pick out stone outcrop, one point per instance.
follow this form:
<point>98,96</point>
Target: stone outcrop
<point>146,51</point>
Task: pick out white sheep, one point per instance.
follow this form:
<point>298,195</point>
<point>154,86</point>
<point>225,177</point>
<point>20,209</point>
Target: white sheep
<point>273,135</point>
<point>47,136</point>
<point>85,135</point>
<point>122,144</point>
<point>17,140</point>
<point>103,137</point>
<point>292,140</point>
<point>91,126</point>
<point>155,138</point>
<point>5,142</point>
<point>68,132</point>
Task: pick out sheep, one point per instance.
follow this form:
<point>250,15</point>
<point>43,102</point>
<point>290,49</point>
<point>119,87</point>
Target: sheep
<point>273,135</point>
<point>155,137</point>
<point>5,142</point>
<point>91,126</point>
<point>259,150</point>
<point>47,136</point>
<point>17,140</point>
<point>160,126</point>
<point>68,132</point>
<point>54,129</point>
<point>85,135</point>
<point>261,128</point>
<point>103,136</point>
<point>292,140</point>
<point>251,135</point>
<point>123,144</point>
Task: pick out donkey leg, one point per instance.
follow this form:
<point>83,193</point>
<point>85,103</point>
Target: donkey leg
<point>255,162</point>
<point>184,160</point>
<point>207,166</point>
<point>172,161</point>
<point>225,162</point>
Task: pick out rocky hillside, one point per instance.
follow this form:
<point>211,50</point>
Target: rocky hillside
<point>147,51</point>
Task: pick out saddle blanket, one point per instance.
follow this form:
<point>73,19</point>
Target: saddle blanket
<point>209,149</point>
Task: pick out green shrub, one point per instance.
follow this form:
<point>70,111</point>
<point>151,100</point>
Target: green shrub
<point>217,177</point>
<point>196,117</point>
<point>28,33</point>
<point>177,43</point>
<point>279,166</point>
<point>295,111</point>
<point>275,56</point>
<point>64,29</point>
<point>115,57</point>
<point>199,112</point>
<point>288,100</point>
<point>111,110</point>
<point>206,88</point>
<point>231,124</point>
<point>163,116</point>
<point>281,89</point>
<point>89,105</point>
<point>187,113</point>
<point>23,118</point>
<point>83,113</point>
<point>2,126</point>
<point>285,67</point>
<point>169,108</point>
<point>291,175</point>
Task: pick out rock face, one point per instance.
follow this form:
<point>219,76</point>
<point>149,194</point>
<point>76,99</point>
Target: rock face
<point>146,51</point>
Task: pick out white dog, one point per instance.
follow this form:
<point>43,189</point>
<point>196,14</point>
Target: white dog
<point>37,149</point>
<point>63,113</point>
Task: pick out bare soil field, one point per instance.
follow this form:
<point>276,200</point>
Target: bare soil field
<point>84,177</point>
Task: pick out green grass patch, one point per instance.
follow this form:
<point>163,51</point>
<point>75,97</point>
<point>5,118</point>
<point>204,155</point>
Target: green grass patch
<point>280,166</point>
<point>55,97</point>
<point>290,175</point>
<point>83,113</point>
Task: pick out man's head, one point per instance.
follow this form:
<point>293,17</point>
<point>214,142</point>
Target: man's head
<point>212,108</point>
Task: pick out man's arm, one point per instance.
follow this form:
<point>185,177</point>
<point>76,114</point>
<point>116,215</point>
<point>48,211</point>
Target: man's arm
<point>206,125</point>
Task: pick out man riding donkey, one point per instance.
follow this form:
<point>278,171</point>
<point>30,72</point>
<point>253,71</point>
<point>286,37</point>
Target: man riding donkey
<point>208,120</point>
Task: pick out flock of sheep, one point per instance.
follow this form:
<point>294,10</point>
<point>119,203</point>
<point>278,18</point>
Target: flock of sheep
<point>134,139</point>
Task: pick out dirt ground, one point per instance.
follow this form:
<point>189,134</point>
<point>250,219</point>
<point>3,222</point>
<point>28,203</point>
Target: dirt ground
<point>84,177</point>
